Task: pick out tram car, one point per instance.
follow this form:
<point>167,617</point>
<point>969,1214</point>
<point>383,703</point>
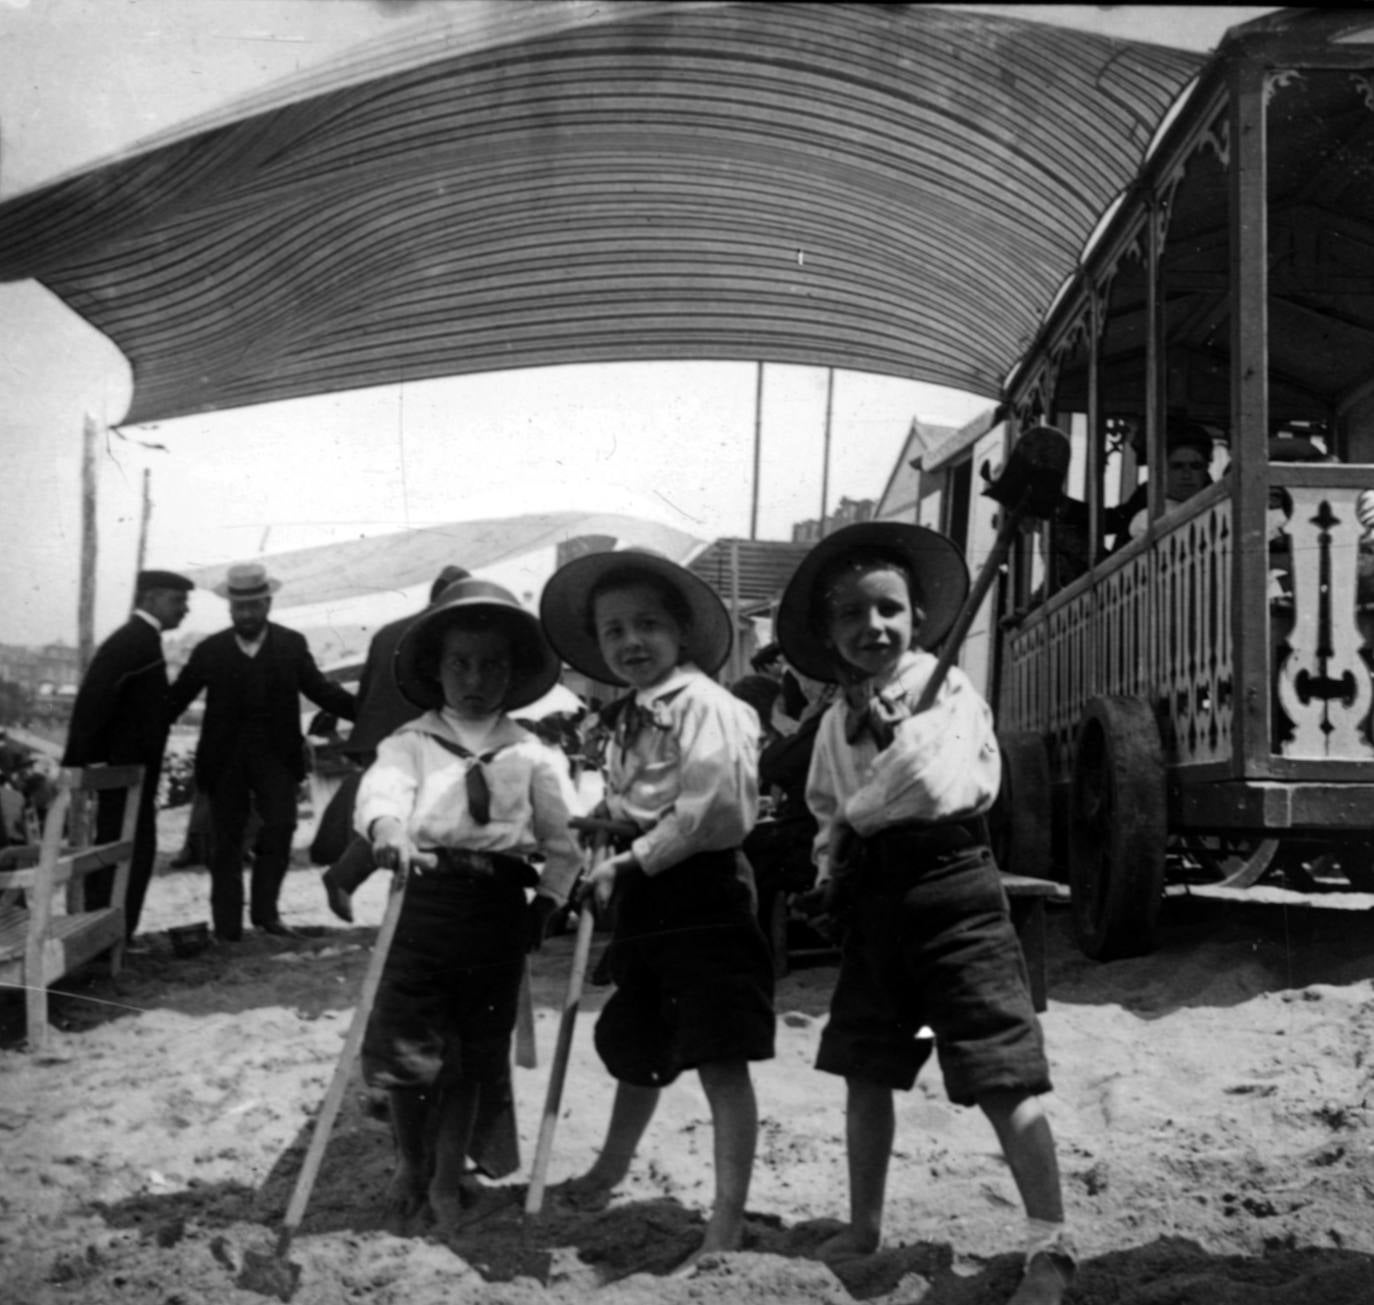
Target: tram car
<point>1180,658</point>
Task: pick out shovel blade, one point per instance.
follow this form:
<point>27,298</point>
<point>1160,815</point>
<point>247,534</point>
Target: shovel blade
<point>268,1275</point>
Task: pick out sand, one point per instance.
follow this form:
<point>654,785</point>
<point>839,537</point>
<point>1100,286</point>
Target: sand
<point>1213,1110</point>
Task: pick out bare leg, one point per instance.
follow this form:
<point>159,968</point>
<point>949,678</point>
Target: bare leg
<point>735,1126</point>
<point>630,1115</point>
<point>1024,1132</point>
<point>869,1125</point>
<point>1027,1143</point>
<point>405,1195</point>
<point>452,1181</point>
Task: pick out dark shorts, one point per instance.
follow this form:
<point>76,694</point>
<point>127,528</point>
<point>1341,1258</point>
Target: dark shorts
<point>446,1004</point>
<point>931,943</point>
<point>693,974</point>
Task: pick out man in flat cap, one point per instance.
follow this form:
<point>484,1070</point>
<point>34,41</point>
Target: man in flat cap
<point>121,717</point>
<point>251,746</point>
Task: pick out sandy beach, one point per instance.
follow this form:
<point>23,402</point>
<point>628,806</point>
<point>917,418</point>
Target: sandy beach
<point>1213,1106</point>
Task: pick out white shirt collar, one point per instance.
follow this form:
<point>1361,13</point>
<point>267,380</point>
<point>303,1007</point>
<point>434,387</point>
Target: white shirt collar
<point>150,618</point>
<point>472,734</point>
<point>677,678</point>
<point>250,649</point>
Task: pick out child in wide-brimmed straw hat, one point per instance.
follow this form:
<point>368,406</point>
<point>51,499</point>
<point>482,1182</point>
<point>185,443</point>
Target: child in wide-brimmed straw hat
<point>691,966</point>
<point>462,796</point>
<point>902,856</point>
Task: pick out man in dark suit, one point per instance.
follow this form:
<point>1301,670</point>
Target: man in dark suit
<point>120,718</point>
<point>382,708</point>
<point>251,746</point>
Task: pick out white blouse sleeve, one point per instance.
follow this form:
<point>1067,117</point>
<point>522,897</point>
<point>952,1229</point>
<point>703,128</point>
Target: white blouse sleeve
<point>388,786</point>
<point>718,785</point>
<point>823,787</point>
<point>553,801</point>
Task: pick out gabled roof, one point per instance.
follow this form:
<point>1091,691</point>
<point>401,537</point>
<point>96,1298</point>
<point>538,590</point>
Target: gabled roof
<point>897,502</point>
<point>891,188</point>
<point>765,567</point>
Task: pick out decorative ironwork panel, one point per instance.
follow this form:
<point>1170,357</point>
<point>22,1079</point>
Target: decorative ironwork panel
<point>1321,611</point>
<point>1194,673</point>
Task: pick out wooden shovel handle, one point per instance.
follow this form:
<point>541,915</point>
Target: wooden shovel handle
<point>324,1122</point>
<point>586,922</point>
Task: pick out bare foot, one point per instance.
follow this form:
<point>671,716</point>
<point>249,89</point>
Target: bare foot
<point>722,1235</point>
<point>588,1193</point>
<point>1047,1279</point>
<point>452,1206</point>
<point>405,1198</point>
<point>848,1244</point>
<point>700,1258</point>
<point>715,1243</point>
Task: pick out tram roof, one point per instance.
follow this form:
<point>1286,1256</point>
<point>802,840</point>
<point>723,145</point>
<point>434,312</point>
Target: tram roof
<point>891,188</point>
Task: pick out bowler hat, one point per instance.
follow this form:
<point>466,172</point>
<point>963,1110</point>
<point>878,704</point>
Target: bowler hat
<point>938,574</point>
<point>247,580</point>
<point>566,609</point>
<point>162,580</point>
<point>534,665</point>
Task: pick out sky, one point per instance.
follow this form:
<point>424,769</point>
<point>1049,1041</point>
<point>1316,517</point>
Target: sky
<point>81,79</point>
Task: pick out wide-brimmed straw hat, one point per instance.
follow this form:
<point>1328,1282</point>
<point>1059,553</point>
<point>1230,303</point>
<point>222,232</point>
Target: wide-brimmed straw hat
<point>534,665</point>
<point>247,580</point>
<point>936,566</point>
<point>566,609</point>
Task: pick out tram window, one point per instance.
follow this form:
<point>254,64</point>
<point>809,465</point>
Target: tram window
<point>957,503</point>
<point>1320,255</point>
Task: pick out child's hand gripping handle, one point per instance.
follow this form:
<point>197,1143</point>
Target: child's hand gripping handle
<point>602,833</point>
<point>828,905</point>
<point>393,850</point>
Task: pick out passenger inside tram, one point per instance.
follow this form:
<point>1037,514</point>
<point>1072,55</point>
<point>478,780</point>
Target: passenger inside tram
<point>1187,471</point>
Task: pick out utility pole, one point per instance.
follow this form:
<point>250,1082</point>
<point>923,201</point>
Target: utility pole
<point>825,459</point>
<point>143,524</point>
<point>758,445</point>
<point>85,610</point>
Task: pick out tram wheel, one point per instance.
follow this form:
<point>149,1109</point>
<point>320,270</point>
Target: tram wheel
<point>1118,824</point>
<point>1021,820</point>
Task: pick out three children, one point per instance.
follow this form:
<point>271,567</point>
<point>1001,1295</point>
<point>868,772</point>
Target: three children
<point>462,796</point>
<point>899,794</point>
<point>693,975</point>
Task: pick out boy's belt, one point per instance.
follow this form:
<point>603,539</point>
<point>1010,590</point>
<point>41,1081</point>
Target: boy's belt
<point>486,865</point>
<point>903,851</point>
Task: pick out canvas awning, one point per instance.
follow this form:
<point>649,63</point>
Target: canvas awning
<point>387,564</point>
<point>892,188</point>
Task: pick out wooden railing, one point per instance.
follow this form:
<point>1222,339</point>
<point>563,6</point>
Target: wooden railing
<point>1156,622</point>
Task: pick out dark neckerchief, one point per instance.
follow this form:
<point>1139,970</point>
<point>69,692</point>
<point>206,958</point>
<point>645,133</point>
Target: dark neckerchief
<point>874,714</point>
<point>475,780</point>
<point>626,718</point>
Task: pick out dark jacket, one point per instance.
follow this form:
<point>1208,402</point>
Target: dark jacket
<point>121,712</point>
<point>382,708</point>
<point>217,666</point>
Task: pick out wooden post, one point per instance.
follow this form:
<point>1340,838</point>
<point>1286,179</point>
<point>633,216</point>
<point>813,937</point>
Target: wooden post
<point>758,445</point>
<point>85,611</point>
<point>736,651</point>
<point>825,457</point>
<point>143,524</point>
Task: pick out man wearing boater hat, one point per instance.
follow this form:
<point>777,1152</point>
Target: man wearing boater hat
<point>121,718</point>
<point>251,746</point>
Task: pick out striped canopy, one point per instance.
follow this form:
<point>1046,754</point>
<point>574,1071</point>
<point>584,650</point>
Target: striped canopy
<point>892,188</point>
